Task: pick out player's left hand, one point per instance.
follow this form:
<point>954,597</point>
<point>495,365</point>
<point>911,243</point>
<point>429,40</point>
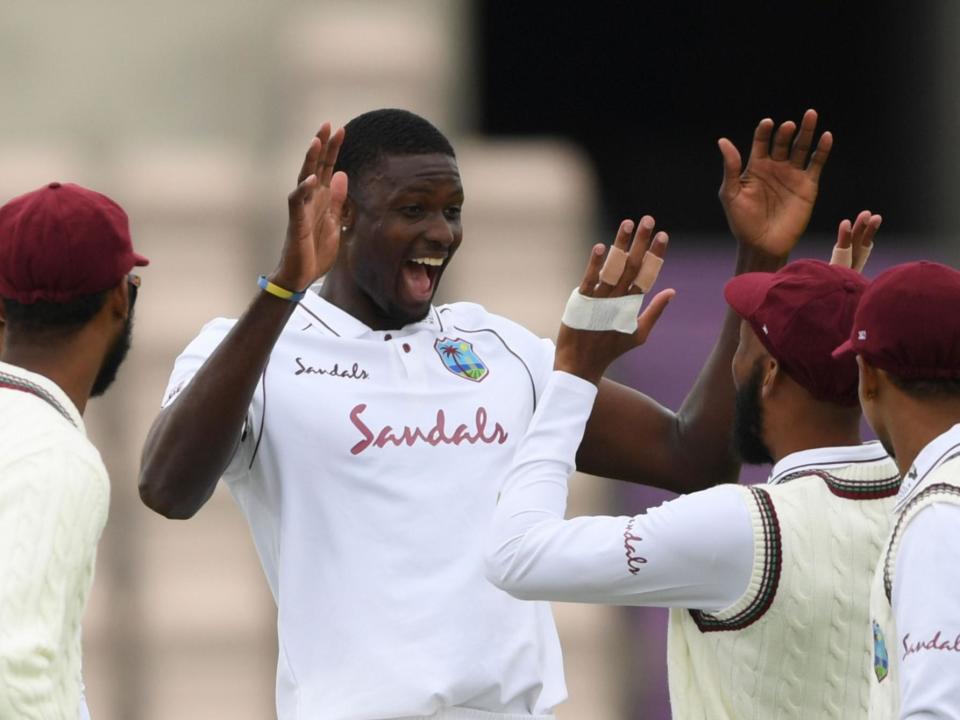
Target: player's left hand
<point>588,353</point>
<point>855,240</point>
<point>769,202</point>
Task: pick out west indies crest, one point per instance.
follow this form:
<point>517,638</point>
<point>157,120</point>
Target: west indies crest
<point>461,359</point>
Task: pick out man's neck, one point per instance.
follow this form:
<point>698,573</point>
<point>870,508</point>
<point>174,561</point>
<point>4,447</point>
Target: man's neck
<point>60,363</point>
<point>811,435</point>
<point>920,427</point>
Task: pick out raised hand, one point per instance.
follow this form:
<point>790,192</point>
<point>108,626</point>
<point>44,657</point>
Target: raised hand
<point>315,206</point>
<point>769,202</point>
<point>855,240</point>
<point>588,353</point>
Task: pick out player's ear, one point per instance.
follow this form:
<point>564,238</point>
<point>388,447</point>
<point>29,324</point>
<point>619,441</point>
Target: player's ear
<point>771,376</point>
<point>871,380</point>
<point>347,217</point>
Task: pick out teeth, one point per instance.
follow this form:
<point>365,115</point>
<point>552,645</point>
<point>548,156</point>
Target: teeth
<point>435,262</point>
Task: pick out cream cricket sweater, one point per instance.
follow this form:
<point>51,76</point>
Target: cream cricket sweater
<point>793,646</point>
<point>54,495</point>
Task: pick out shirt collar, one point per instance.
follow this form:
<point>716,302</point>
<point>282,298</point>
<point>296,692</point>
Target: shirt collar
<point>825,457</point>
<point>342,324</point>
<point>25,381</point>
<point>935,452</point>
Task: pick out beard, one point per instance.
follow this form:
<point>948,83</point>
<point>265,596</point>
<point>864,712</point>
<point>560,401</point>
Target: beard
<point>113,359</point>
<point>748,421</point>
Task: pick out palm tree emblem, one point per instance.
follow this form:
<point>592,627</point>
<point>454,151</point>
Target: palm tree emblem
<point>459,358</point>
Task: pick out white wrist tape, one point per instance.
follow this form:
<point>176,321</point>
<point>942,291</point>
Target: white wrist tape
<point>842,256</point>
<point>599,314</point>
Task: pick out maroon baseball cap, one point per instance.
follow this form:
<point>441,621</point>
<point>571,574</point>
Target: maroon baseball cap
<point>908,323</point>
<point>801,313</point>
<point>61,242</point>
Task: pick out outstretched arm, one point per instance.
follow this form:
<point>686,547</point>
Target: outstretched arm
<point>768,204</point>
<point>693,552</point>
<point>192,440</point>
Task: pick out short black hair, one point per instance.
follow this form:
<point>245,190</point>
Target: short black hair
<point>380,133</point>
<point>927,388</point>
<point>50,318</point>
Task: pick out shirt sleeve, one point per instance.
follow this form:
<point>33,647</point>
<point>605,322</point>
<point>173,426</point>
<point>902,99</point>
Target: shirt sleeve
<point>52,510</point>
<point>926,607</point>
<point>693,552</point>
<point>186,367</point>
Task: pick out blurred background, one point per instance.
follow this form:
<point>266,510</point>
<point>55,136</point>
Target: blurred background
<point>566,117</point>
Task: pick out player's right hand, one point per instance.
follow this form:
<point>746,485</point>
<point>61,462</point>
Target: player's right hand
<point>315,207</point>
<point>768,203</point>
<point>588,353</point>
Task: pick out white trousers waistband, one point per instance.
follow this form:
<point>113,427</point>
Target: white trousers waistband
<point>457,713</point>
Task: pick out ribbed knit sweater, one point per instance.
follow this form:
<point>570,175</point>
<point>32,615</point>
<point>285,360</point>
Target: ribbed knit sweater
<point>794,645</point>
<point>54,496</point>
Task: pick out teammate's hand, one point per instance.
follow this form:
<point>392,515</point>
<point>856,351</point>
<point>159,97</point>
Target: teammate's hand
<point>315,206</point>
<point>768,204</point>
<point>858,237</point>
<point>588,353</point>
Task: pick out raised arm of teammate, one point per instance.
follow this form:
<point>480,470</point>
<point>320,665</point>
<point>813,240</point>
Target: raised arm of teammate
<point>695,551</point>
<point>192,440</point>
<point>768,204</point>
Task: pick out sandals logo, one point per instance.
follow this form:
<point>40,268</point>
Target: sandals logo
<point>459,357</point>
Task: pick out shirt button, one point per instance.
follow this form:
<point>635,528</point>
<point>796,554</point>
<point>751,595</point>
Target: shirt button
<point>388,336</point>
<point>406,348</point>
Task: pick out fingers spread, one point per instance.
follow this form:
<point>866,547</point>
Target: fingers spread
<point>309,165</point>
<point>781,141</point>
<point>338,195</point>
<point>616,260</point>
<point>820,155</point>
<point>804,139</point>
<point>651,265</point>
<point>732,164</point>
<point>872,227</point>
<point>635,257</point>
<point>844,234</point>
<point>761,139</point>
<point>332,149</point>
<point>592,274</point>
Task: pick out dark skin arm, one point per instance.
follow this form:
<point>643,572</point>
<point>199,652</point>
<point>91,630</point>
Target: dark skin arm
<point>768,204</point>
<point>192,440</point>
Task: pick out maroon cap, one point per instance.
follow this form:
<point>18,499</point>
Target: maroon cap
<point>801,313</point>
<point>908,323</point>
<point>62,242</point>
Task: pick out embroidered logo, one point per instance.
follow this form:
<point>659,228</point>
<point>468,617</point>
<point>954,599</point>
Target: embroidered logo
<point>881,662</point>
<point>861,335</point>
<point>459,357</point>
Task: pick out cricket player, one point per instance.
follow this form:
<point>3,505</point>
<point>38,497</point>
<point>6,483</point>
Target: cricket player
<point>767,585</point>
<point>67,301</point>
<point>906,336</point>
<point>365,432</point>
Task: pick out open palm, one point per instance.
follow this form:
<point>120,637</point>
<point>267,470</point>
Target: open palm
<point>315,207</point>
<point>769,202</point>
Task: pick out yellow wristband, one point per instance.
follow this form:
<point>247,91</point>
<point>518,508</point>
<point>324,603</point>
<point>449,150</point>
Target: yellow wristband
<point>278,291</point>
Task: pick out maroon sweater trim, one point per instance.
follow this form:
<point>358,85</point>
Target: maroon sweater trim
<point>769,581</point>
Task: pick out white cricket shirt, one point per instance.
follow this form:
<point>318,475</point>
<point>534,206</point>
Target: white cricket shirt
<point>54,497</point>
<point>924,647</point>
<point>368,471</point>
